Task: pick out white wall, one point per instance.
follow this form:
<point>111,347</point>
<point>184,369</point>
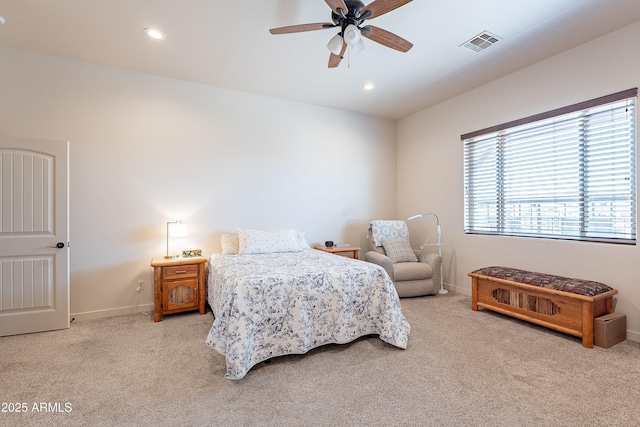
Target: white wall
<point>430,167</point>
<point>146,150</point>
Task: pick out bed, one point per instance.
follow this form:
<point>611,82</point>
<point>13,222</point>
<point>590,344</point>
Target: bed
<point>273,303</point>
<point>564,304</point>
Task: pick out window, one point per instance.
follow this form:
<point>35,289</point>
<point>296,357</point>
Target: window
<point>565,174</point>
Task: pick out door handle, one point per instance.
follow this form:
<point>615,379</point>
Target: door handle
<point>59,245</point>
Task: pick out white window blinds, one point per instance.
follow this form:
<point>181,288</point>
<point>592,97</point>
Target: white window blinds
<point>566,174</point>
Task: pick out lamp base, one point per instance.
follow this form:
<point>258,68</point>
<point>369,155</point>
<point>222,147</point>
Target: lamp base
<point>443,291</point>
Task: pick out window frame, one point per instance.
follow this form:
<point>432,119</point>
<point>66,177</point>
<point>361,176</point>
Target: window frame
<point>499,220</point>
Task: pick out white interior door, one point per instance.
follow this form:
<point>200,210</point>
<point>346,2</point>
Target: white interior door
<point>34,230</point>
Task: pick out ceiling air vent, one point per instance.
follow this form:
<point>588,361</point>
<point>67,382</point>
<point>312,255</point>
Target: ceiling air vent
<point>482,41</point>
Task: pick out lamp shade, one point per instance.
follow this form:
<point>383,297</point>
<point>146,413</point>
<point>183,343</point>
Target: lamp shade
<point>177,229</point>
<point>359,46</point>
<point>335,44</point>
<point>351,35</point>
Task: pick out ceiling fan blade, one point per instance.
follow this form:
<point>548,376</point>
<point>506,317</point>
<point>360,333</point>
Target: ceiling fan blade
<point>301,28</point>
<point>334,60</point>
<point>380,7</point>
<point>337,4</point>
<point>387,39</point>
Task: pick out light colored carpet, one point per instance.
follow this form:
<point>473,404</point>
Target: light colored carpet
<point>462,368</point>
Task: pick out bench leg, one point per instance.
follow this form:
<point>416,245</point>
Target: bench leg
<point>474,293</point>
<point>587,324</point>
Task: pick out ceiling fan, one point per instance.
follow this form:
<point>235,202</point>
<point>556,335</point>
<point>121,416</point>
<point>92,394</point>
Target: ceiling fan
<point>349,16</point>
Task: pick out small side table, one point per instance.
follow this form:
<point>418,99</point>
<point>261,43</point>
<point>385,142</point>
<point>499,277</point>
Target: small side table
<point>346,251</point>
<point>178,285</point>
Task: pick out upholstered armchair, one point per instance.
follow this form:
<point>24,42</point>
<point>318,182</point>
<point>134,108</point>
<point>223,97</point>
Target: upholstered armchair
<point>414,273</point>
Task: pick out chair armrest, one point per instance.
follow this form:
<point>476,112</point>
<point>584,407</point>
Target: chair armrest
<point>435,261</point>
<point>380,259</point>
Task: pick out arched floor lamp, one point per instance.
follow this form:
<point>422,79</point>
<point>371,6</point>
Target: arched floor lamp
<point>439,244</point>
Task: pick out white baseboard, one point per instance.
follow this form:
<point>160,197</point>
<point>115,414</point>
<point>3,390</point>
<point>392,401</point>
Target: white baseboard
<point>458,289</point>
<point>633,336</point>
<point>465,290</point>
<point>112,312</point>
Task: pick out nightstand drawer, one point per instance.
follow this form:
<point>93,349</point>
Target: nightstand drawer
<point>348,254</point>
<point>345,251</point>
<point>179,272</point>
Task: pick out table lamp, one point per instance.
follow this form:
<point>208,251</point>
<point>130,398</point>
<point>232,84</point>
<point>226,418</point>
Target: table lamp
<point>175,229</point>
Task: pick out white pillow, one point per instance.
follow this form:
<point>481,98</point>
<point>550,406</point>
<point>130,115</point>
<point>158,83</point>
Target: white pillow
<point>230,244</point>
<point>267,241</point>
<point>302,241</point>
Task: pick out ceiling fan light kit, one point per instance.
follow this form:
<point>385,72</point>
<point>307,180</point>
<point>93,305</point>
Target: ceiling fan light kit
<point>349,16</point>
<point>335,44</point>
<point>351,35</point>
<point>358,47</point>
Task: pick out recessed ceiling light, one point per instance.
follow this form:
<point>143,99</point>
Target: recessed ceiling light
<point>368,86</point>
<point>154,34</point>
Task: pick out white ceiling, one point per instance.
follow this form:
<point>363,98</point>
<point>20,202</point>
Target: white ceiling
<point>228,44</point>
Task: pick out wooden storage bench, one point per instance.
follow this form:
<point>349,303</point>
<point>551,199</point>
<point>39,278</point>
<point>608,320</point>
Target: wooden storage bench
<point>560,303</point>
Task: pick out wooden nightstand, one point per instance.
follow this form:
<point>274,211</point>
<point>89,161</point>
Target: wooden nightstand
<point>178,285</point>
<point>347,251</point>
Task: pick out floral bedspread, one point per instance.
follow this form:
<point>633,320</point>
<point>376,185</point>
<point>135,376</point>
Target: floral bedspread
<point>268,305</point>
